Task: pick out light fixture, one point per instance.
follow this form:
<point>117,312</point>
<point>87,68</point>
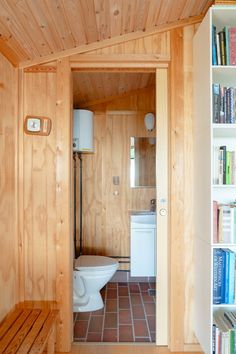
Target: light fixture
<point>149,121</point>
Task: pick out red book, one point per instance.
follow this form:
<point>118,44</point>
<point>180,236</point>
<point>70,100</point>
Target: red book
<point>232,45</point>
<point>215,222</point>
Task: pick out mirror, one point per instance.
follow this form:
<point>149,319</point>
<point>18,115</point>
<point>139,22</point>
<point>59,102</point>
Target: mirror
<point>142,162</point>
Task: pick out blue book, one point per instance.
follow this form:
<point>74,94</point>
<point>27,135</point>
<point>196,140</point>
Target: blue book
<point>214,53</point>
<point>231,277</point>
<point>226,277</point>
<point>218,291</point>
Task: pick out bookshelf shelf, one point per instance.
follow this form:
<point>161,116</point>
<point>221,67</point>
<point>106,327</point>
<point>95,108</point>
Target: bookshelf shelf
<point>209,141</point>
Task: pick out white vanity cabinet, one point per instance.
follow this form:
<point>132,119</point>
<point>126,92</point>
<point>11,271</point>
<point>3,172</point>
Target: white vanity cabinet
<point>143,245</point>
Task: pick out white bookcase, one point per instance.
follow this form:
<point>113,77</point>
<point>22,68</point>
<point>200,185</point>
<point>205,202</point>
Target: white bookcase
<point>206,136</point>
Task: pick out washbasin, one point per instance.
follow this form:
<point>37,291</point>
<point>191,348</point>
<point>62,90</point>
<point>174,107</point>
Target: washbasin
<point>143,220</point>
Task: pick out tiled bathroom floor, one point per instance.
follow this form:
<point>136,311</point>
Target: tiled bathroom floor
<point>128,315</point>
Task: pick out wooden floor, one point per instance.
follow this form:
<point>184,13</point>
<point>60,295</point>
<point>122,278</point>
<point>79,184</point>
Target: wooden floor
<point>122,349</point>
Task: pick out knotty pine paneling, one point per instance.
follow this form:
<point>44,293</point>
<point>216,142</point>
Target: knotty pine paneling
<point>8,187</point>
<point>46,193</point>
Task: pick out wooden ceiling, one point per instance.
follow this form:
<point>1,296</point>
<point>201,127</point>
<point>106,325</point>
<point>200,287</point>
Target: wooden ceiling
<point>32,29</point>
<point>94,88</point>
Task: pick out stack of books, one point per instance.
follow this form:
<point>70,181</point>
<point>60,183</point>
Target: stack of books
<point>224,223</point>
<point>224,46</point>
<point>224,327</point>
<point>224,104</point>
<point>223,166</point>
<point>223,276</point>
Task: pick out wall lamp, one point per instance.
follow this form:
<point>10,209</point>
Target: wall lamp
<point>149,121</point>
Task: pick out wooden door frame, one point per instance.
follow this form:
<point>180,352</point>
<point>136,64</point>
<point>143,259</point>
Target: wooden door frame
<point>102,63</point>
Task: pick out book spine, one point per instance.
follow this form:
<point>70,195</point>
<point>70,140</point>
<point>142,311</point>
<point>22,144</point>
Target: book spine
<point>227,54</point>
<point>226,278</point>
<point>217,276</point>
<point>216,103</point>
<point>223,148</point>
<point>214,54</point>
<point>231,277</point>
<point>232,45</point>
<point>231,105</point>
<point>218,49</point>
<point>227,168</point>
<point>222,47</point>
<point>215,221</point>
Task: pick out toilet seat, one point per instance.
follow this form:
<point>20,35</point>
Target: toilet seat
<point>94,262</point>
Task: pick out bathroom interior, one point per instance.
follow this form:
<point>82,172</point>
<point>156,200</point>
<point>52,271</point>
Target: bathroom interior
<point>114,169</point>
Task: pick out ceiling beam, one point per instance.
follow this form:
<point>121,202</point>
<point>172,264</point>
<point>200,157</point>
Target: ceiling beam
<point>111,41</point>
<point>115,97</point>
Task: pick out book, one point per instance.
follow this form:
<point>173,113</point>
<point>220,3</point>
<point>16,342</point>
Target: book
<point>223,149</point>
<point>215,221</point>
<point>232,45</point>
<point>222,47</point>
<point>216,103</point>
<point>214,51</point>
<point>227,52</point>
<point>217,276</point>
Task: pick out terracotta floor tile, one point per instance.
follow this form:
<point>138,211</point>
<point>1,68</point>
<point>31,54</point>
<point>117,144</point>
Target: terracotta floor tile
<point>151,323</point>
<point>135,299</point>
<point>110,320</point>
<point>122,285</point>
<point>111,305</point>
<point>123,291</point>
<point>98,312</point>
<point>124,303</point>
<point>142,339</point>
<point>125,317</point>
<point>152,285</point>
<point>83,315</point>
<point>150,309</point>
<point>94,337</point>
<point>125,333</point>
<point>140,328</point>
<point>95,324</point>
<point>147,298</point>
<point>134,288</point>
<point>110,335</point>
<point>144,286</point>
<point>138,312</point>
<point>112,286</point>
<point>111,293</point>
<point>80,329</point>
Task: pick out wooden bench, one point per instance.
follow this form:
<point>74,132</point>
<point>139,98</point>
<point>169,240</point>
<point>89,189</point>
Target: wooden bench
<point>28,329</point>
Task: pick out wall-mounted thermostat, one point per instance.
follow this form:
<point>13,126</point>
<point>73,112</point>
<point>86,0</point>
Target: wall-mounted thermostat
<point>37,125</point>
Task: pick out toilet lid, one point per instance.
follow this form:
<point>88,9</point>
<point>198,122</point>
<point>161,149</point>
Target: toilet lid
<point>98,262</point>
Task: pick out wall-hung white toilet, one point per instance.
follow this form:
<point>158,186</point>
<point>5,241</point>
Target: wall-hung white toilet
<point>91,273</point>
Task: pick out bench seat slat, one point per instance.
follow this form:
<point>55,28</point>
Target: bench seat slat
<point>13,330</point>
<point>9,320</point>
<point>44,334</point>
<point>32,335</point>
<point>21,334</point>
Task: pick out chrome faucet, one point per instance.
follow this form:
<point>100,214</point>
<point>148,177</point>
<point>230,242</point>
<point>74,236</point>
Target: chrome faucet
<point>153,205</point>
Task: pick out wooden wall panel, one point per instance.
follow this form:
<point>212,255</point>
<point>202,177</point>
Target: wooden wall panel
<point>46,186</point>
<point>8,187</point>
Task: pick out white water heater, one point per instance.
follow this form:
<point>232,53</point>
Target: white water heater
<point>83,130</point>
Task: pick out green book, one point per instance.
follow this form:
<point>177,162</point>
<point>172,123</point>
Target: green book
<point>228,163</point>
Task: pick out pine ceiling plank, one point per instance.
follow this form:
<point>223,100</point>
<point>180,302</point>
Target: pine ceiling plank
<point>76,20</point>
<point>111,41</point>
<point>115,17</point>
<point>10,20</point>
<point>56,12</point>
<point>88,12</point>
<point>165,10</point>
<point>25,17</point>
<point>102,11</point>
<point>44,21</point>
<point>141,16</point>
<point>176,10</point>
<point>153,12</point>
<point>11,47</point>
<point>127,15</point>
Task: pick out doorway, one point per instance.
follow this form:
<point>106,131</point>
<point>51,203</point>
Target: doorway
<point>108,119</point>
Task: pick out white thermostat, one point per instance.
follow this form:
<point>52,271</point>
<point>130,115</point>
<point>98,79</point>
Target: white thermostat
<point>37,125</point>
